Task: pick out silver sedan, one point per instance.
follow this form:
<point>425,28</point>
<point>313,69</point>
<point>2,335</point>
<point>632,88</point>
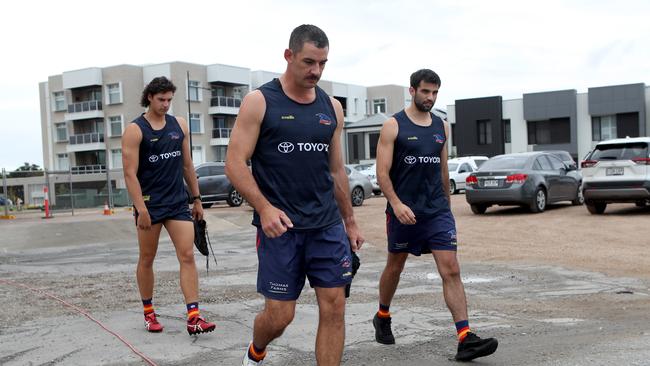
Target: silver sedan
<point>360,186</point>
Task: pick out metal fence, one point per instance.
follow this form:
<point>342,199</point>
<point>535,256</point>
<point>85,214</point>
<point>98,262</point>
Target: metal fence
<point>67,190</point>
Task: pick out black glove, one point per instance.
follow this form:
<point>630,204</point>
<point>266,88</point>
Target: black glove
<point>356,263</point>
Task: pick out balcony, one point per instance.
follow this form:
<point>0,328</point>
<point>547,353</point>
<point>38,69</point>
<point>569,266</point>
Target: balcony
<point>86,142</point>
<point>89,169</point>
<point>84,110</point>
<point>220,136</point>
<point>225,105</point>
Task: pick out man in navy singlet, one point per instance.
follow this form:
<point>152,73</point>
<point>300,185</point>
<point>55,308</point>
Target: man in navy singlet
<point>412,173</point>
<point>156,158</point>
<point>290,129</point>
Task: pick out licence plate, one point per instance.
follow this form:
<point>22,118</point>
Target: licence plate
<point>614,171</point>
<point>491,183</point>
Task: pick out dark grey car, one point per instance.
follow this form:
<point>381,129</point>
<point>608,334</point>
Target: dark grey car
<point>532,179</point>
<point>215,186</point>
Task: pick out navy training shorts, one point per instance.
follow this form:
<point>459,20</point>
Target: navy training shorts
<point>323,256</point>
<point>160,214</point>
<point>428,233</point>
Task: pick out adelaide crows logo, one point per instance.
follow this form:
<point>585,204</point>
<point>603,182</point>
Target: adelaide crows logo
<point>174,135</point>
<point>439,139</point>
<point>324,119</point>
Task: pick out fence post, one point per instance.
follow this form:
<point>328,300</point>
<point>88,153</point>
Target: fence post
<point>4,185</point>
<point>71,195</point>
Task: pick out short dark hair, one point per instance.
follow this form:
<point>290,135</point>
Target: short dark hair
<point>426,75</point>
<point>158,85</point>
<point>307,33</point>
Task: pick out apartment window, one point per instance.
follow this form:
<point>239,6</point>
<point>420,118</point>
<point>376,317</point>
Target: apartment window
<point>506,131</point>
<point>197,154</point>
<point>62,162</point>
<point>603,128</point>
<point>195,122</point>
<point>61,132</point>
<point>59,101</point>
<point>484,131</point>
<point>221,153</point>
<point>116,158</point>
<point>553,131</point>
<point>116,125</point>
<point>194,90</point>
<point>373,138</point>
<point>379,105</point>
<point>453,134</point>
<point>218,91</point>
<point>114,92</point>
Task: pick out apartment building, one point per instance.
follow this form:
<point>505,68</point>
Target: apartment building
<point>84,112</point>
<point>553,120</point>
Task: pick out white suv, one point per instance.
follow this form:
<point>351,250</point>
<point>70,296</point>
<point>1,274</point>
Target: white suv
<point>617,171</point>
<point>460,169</point>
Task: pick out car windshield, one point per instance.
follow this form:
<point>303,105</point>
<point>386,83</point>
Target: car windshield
<point>452,167</point>
<point>505,162</point>
<point>620,151</point>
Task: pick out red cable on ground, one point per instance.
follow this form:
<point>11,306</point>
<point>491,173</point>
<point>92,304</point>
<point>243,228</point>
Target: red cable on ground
<point>87,315</point>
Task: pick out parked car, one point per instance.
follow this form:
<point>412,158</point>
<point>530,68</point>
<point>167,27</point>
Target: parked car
<point>360,167</point>
<point>566,158</point>
<point>214,186</point>
<point>371,173</point>
<point>532,179</point>
<point>617,171</point>
<point>360,186</point>
<point>4,201</point>
<point>460,169</point>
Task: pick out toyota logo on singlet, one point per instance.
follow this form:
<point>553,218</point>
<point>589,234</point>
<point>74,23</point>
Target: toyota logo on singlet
<point>153,158</point>
<point>410,159</point>
<point>285,147</point>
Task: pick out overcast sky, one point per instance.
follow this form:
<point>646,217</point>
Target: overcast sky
<point>479,48</point>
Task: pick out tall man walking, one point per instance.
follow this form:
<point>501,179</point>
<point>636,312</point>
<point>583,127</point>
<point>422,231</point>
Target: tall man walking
<point>412,173</point>
<point>156,158</point>
<point>290,129</point>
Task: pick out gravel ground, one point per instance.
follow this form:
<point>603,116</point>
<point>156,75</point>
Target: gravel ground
<point>558,288</point>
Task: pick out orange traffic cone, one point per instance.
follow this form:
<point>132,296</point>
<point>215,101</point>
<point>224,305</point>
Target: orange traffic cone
<point>107,210</point>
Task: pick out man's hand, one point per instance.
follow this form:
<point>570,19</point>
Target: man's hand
<point>354,234</point>
<point>404,214</point>
<point>197,210</point>
<point>144,220</point>
<point>274,221</point>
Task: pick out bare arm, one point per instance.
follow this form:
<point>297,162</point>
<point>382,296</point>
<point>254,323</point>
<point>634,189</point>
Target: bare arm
<point>188,170</point>
<point>443,164</point>
<point>240,149</point>
<point>130,162</point>
<point>385,149</point>
<point>341,185</point>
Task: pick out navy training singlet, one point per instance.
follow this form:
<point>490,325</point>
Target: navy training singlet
<point>160,169</point>
<point>415,172</point>
<point>291,159</point>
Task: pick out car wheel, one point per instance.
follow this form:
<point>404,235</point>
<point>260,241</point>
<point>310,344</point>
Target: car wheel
<point>539,201</point>
<point>234,199</point>
<point>596,208</point>
<point>580,199</point>
<point>452,187</point>
<point>640,204</point>
<point>206,205</point>
<point>376,193</point>
<point>478,209</point>
<point>357,196</point>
